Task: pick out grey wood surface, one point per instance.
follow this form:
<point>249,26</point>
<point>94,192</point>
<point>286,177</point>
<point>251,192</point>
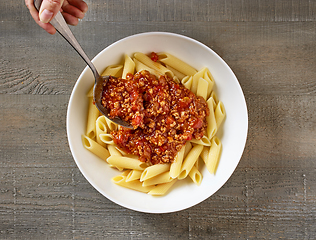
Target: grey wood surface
<point>271,47</point>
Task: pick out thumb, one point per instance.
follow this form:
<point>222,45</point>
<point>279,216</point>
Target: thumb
<point>49,9</point>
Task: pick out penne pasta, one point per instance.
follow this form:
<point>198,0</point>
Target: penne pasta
<point>161,189</point>
<point>176,63</point>
<point>204,154</point>
<point>133,175</point>
<point>154,170</point>
<point>126,162</point>
<point>195,175</point>
<point>106,138</point>
<point>187,82</point>
<point>93,114</point>
<point>140,66</point>
<point>211,120</point>
<point>126,172</point>
<point>134,185</point>
<point>114,151</point>
<point>113,70</point>
<point>129,66</point>
<point>177,74</point>
<point>190,160</point>
<point>194,86</point>
<point>154,65</point>
<point>100,128</point>
<point>175,167</point>
<point>195,80</point>
<point>159,179</point>
<point>203,141</point>
<point>131,156</point>
<point>202,88</point>
<point>110,125</point>
<point>215,98</point>
<point>197,163</point>
<point>212,159</point>
<point>121,151</point>
<point>209,78</point>
<point>187,148</point>
<point>220,113</point>
<point>95,148</point>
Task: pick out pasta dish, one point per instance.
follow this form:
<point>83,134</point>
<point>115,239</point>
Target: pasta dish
<point>175,114</point>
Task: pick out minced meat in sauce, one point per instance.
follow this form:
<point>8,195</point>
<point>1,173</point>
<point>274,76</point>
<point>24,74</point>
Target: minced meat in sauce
<point>163,113</point>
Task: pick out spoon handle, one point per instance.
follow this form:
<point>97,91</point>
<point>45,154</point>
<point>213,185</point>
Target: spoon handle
<point>61,26</point>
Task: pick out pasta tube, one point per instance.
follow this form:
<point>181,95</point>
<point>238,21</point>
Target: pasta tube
<point>106,138</point>
<point>176,63</point>
<point>133,175</point>
<point>113,70</point>
<point>129,66</point>
<point>195,175</point>
<point>211,128</point>
<point>110,125</point>
<point>95,148</point>
<point>100,128</point>
<point>126,163</point>
<point>190,160</point>
<point>93,114</point>
<point>209,78</point>
<point>135,185</point>
<point>140,66</point>
<point>195,81</point>
<point>159,179</point>
<point>202,88</point>
<point>154,170</point>
<point>212,159</point>
<point>187,82</point>
<point>187,149</point>
<point>175,167</point>
<point>114,152</point>
<point>220,113</point>
<point>161,189</point>
<point>178,74</point>
<point>203,141</point>
<point>154,65</point>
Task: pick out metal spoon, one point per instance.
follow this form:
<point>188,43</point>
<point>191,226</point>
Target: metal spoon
<point>61,26</point>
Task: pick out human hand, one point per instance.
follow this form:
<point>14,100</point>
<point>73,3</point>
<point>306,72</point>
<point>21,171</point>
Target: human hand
<point>72,10</point>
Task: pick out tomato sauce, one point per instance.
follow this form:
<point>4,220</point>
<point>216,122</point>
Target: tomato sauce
<point>164,115</point>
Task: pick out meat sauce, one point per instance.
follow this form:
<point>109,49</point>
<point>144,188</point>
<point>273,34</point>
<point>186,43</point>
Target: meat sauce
<point>163,113</point>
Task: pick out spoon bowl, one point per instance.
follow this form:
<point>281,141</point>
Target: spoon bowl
<point>62,28</point>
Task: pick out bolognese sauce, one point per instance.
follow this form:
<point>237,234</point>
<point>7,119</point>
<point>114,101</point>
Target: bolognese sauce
<point>163,113</point>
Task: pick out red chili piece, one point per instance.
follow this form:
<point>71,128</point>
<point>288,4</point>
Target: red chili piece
<point>154,57</point>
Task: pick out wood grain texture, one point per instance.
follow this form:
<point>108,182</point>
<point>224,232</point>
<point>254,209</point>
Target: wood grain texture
<point>271,47</point>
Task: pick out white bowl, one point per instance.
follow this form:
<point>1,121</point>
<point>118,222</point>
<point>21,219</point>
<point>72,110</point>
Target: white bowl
<point>233,134</point>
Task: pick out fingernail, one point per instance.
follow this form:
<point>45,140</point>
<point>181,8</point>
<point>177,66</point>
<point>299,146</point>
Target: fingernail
<point>46,16</point>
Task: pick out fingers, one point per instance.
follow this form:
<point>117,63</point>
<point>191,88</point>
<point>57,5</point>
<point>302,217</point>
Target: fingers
<point>81,5</point>
<point>34,13</point>
<point>72,10</point>
<point>70,19</point>
<point>49,9</point>
<point>75,8</point>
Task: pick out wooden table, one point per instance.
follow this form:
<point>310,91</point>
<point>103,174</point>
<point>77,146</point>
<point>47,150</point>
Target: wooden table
<point>271,47</point>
